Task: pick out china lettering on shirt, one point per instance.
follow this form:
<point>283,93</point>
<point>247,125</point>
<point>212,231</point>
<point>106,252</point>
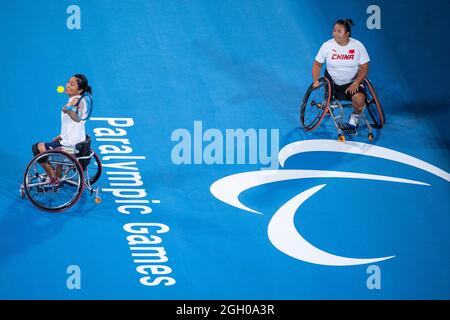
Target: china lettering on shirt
<point>341,56</point>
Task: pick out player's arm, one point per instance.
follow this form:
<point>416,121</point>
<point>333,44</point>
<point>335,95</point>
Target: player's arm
<point>70,110</point>
<point>362,73</point>
<point>317,66</point>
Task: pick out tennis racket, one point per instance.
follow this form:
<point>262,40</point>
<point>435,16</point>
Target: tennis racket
<point>84,113</point>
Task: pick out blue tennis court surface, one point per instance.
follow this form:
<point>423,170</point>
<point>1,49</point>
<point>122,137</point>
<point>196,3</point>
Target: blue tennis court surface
<point>210,188</point>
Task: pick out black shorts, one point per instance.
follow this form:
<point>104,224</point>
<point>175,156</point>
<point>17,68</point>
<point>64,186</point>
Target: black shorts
<point>52,145</point>
<point>338,92</point>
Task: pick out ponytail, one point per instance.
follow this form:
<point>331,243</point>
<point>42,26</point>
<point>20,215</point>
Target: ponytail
<point>88,89</point>
<point>349,22</point>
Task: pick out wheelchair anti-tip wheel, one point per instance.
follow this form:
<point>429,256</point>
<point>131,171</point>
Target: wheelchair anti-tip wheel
<point>315,104</point>
<point>373,106</point>
<point>56,195</point>
<point>22,191</point>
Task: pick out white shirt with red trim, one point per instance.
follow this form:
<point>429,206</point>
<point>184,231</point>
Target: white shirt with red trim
<point>342,61</point>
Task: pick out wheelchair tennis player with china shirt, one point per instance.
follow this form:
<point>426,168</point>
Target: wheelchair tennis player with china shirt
<point>345,80</point>
<point>55,178</point>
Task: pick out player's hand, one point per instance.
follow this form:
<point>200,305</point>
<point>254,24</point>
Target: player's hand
<point>67,108</point>
<point>352,89</point>
<point>316,84</point>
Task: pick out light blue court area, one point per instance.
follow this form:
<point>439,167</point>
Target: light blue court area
<point>210,188</point>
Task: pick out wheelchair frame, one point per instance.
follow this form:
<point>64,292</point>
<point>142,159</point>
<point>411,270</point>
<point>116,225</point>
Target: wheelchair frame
<point>333,107</point>
<point>70,162</point>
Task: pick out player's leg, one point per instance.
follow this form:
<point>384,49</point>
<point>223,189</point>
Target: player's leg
<point>42,147</point>
<point>358,101</point>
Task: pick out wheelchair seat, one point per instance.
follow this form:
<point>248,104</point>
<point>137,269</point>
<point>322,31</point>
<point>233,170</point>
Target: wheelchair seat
<point>83,149</point>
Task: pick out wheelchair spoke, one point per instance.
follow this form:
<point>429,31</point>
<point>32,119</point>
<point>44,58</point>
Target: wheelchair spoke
<point>54,180</point>
<point>374,106</point>
<point>48,194</point>
<point>312,112</point>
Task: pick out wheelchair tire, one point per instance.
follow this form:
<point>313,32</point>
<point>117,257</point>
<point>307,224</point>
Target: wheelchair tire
<point>94,174</point>
<point>312,113</point>
<point>373,106</point>
<point>48,197</point>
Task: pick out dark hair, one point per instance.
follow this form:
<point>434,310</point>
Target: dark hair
<point>83,83</point>
<point>347,23</point>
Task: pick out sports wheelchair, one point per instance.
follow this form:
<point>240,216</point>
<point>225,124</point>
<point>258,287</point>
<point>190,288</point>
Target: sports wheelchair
<point>320,101</point>
<point>77,168</point>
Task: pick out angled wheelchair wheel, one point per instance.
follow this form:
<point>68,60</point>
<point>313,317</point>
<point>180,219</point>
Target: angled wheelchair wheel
<point>53,196</point>
<point>94,170</point>
<point>373,106</point>
<point>315,105</point>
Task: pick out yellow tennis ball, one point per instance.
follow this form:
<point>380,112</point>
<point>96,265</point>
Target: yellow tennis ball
<point>60,89</point>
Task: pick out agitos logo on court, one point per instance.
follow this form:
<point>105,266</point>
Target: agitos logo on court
<point>282,232</point>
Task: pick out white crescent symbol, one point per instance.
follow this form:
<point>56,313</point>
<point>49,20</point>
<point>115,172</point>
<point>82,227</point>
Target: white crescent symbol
<point>282,232</point>
<point>358,148</point>
<point>229,188</point>
<point>284,236</point>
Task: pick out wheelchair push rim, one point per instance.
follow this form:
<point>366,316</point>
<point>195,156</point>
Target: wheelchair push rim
<point>373,106</point>
<point>93,171</point>
<point>49,197</point>
<point>311,111</point>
